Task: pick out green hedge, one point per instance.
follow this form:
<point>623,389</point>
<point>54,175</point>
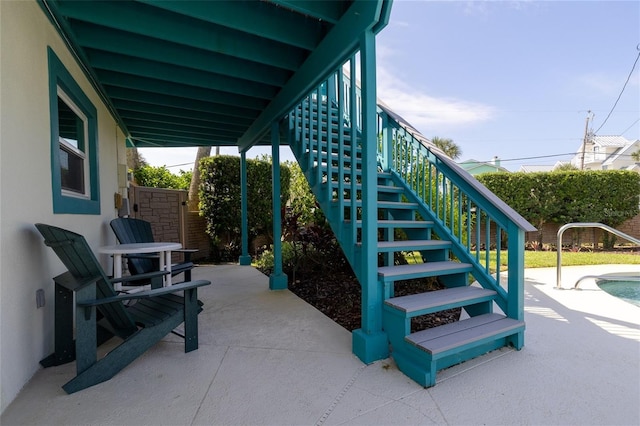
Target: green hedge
<point>220,199</point>
<point>161,177</point>
<point>605,196</point>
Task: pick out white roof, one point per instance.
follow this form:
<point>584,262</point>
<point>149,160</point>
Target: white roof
<point>536,168</point>
<point>619,141</point>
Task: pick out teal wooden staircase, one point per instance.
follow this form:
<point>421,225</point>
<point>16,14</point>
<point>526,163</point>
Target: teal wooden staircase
<point>427,206</point>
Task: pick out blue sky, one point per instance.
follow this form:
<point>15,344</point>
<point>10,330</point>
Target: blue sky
<point>503,78</point>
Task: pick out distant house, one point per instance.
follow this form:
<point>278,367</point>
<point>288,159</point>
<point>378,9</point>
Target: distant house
<point>541,168</point>
<point>475,167</point>
<point>607,153</point>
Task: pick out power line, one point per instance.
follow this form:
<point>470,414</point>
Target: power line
<point>622,91</point>
<point>632,124</point>
<point>538,157</point>
<point>524,158</point>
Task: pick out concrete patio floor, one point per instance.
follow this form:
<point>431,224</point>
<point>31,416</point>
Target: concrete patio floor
<point>268,358</point>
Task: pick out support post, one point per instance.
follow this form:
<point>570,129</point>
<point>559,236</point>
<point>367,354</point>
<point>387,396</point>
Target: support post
<point>370,342</point>
<point>277,280</point>
<point>515,280</point>
<point>245,258</point>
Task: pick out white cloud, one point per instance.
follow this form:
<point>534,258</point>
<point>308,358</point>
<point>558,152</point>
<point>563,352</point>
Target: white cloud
<point>424,111</point>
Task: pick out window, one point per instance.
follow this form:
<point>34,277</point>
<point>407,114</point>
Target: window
<point>72,134</point>
<point>74,156</point>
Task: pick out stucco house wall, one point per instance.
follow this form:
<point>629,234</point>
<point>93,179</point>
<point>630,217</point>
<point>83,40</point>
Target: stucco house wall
<point>26,265</point>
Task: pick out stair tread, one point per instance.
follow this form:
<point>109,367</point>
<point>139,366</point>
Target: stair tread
<point>432,299</point>
<point>424,268</point>
<point>413,245</point>
<point>449,336</point>
<point>400,223</point>
<point>384,204</point>
<point>381,188</point>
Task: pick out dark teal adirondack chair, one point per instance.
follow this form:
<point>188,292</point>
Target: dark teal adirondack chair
<point>142,324</point>
<point>129,230</point>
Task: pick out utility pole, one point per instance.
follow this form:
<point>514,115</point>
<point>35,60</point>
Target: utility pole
<point>585,139</point>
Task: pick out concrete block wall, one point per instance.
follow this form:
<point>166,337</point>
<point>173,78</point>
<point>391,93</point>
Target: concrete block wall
<point>570,236</point>
<point>631,227</point>
<point>166,209</point>
<point>197,237</point>
<point>587,235</point>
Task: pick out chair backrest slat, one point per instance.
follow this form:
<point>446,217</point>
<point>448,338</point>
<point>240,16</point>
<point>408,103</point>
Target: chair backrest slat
<point>76,255</point>
<point>129,230</point>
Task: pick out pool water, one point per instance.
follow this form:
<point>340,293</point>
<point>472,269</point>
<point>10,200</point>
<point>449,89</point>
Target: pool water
<point>625,289</point>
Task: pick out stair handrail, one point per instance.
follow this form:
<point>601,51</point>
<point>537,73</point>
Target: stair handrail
<point>455,168</point>
<point>583,225</point>
<point>449,195</point>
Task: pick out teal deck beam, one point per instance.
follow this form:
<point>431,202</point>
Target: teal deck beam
<point>334,49</point>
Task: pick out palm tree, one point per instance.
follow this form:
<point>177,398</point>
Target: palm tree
<point>636,155</point>
<point>194,196</point>
<point>448,146</point>
<point>135,160</point>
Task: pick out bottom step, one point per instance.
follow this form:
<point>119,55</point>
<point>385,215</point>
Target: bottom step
<point>424,353</point>
<point>440,340</point>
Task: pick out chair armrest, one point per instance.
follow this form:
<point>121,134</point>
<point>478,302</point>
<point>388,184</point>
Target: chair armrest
<point>186,253</point>
<point>145,294</point>
<point>178,268</point>
<point>138,277</point>
<point>141,256</point>
<point>68,281</point>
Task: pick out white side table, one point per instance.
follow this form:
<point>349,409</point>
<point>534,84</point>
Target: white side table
<point>164,250</point>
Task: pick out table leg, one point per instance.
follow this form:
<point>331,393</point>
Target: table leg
<point>117,270</point>
<point>168,265</point>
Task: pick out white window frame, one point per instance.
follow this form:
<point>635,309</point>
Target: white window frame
<point>80,153</point>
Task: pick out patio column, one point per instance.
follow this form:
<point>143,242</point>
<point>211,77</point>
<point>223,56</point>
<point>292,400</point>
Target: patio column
<point>245,258</point>
<point>370,342</point>
<point>277,279</point>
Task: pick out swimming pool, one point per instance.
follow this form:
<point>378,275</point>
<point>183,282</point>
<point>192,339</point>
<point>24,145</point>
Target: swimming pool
<point>624,286</point>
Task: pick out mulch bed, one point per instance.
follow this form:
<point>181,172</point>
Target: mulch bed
<point>337,295</point>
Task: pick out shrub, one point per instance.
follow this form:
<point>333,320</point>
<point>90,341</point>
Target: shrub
<point>161,177</point>
<point>220,200</point>
<point>608,196</point>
